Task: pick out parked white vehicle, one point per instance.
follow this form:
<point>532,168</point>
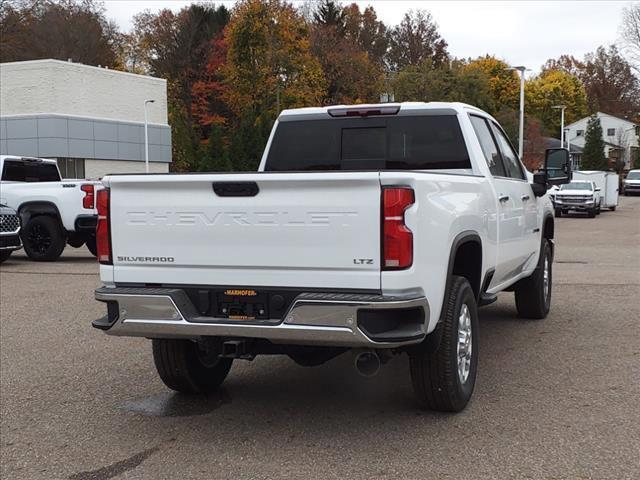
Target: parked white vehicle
<point>632,182</point>
<point>608,184</point>
<point>53,211</point>
<point>578,196</point>
<point>374,228</point>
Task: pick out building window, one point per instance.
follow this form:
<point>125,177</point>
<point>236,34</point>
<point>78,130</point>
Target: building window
<point>71,167</point>
<point>579,133</point>
<point>611,132</point>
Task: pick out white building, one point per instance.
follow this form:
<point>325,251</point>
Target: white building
<point>620,136</point>
<point>90,119</point>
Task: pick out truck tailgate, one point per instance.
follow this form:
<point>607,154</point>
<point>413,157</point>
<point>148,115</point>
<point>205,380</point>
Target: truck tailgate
<point>319,230</point>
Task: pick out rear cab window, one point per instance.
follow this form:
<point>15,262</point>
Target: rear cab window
<point>29,171</point>
<point>430,142</point>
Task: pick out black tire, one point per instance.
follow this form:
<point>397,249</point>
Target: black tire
<point>558,213</point>
<point>591,213</point>
<point>532,299</point>
<point>434,374</point>
<point>613,209</point>
<point>185,368</point>
<point>598,210</point>
<point>91,245</point>
<point>43,239</point>
<point>4,255</point>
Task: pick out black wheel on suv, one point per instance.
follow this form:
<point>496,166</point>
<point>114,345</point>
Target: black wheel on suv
<point>444,379</point>
<point>533,294</point>
<point>43,238</point>
<point>591,213</point>
<point>184,367</point>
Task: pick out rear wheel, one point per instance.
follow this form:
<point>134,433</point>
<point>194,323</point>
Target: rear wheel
<point>184,367</point>
<point>613,209</point>
<point>533,294</point>
<point>444,379</point>
<point>43,238</point>
<point>4,255</point>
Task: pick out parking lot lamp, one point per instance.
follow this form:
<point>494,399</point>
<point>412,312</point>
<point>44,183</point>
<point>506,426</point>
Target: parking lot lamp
<point>521,69</point>
<point>146,137</point>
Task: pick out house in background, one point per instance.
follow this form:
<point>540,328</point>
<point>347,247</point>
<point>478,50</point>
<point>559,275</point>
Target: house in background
<point>90,119</point>
<point>620,138</point>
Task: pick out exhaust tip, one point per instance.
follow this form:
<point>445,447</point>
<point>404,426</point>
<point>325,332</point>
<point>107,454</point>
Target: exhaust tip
<point>367,363</point>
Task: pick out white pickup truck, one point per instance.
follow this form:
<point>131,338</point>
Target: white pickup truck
<point>54,211</point>
<point>375,228</point>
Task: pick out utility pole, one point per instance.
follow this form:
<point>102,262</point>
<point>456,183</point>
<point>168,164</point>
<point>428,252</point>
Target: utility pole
<point>146,136</point>
<point>521,69</point>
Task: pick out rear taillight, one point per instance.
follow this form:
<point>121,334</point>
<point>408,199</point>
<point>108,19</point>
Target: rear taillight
<point>103,235</point>
<point>88,200</point>
<point>397,241</point>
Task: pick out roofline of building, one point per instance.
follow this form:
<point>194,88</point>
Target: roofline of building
<point>606,115</point>
<point>75,64</point>
<point>24,116</point>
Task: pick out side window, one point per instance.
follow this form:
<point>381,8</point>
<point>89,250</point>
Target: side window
<point>510,158</point>
<point>491,153</point>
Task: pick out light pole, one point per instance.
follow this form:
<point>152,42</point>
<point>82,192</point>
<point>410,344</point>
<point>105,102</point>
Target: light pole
<point>521,69</point>
<point>561,108</point>
<point>146,137</point>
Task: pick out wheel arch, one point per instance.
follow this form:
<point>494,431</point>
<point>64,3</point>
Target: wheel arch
<point>465,260</point>
<point>28,210</point>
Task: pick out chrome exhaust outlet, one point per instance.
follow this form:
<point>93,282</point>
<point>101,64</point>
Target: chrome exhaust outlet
<point>367,363</point>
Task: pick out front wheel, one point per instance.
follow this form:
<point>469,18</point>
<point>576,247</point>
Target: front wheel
<point>184,367</point>
<point>533,294</point>
<point>591,213</point>
<point>558,213</point>
<point>43,239</point>
<point>4,255</point>
<point>444,379</point>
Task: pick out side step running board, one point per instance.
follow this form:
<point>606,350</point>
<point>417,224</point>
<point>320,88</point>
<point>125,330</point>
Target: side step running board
<point>487,299</point>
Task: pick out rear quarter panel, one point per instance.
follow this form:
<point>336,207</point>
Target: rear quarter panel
<point>446,205</point>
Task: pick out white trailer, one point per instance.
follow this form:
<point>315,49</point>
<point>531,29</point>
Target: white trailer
<point>607,182</point>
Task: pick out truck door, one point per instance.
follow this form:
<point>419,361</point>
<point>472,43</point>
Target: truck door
<point>520,226</point>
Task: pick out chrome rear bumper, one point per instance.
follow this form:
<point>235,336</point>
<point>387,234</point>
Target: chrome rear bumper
<point>349,320</point>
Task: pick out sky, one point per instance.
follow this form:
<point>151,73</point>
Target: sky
<point>521,32</point>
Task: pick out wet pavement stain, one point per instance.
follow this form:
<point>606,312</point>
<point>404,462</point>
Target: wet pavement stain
<point>176,404</point>
<point>116,468</point>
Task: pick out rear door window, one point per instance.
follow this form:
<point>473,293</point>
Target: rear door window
<point>509,157</point>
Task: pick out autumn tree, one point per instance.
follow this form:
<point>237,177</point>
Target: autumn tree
<point>504,84</point>
<point>416,40</point>
<point>214,155</point>
<point>351,76</point>
<point>366,31</point>
<point>593,154</point>
<point>551,88</point>
<point>450,82</point>
<point>269,61</point>
<point>534,144</point>
<point>610,84</point>
<point>64,29</point>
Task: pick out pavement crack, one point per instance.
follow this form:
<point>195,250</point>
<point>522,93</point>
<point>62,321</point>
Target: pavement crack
<point>116,468</point>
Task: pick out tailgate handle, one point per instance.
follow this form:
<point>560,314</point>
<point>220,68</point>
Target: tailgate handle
<point>236,189</point>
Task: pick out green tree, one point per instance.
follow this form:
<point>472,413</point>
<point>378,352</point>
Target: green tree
<point>504,84</point>
<point>214,157</point>
<point>593,154</point>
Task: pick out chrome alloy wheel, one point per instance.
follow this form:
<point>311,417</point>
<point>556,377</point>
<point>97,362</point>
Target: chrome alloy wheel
<point>465,343</point>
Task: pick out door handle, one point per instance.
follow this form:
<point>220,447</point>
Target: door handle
<point>503,198</point>
<point>524,198</point>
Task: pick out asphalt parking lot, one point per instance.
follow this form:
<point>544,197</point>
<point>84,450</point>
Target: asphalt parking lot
<point>555,399</point>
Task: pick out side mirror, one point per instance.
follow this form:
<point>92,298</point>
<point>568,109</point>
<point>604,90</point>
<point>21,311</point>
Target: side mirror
<point>557,166</point>
<point>597,189</point>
